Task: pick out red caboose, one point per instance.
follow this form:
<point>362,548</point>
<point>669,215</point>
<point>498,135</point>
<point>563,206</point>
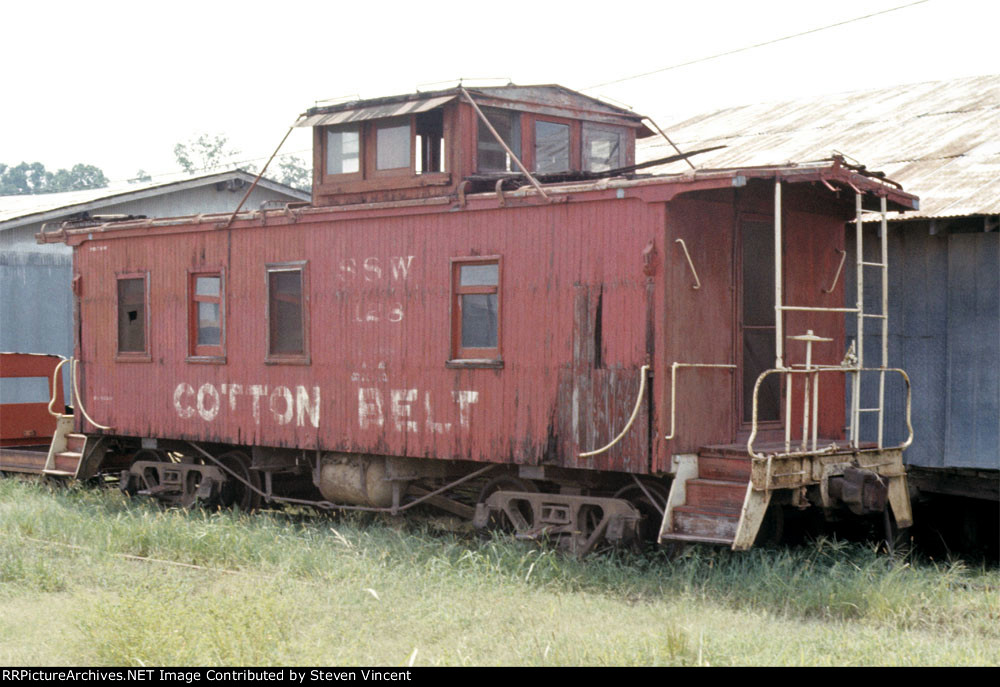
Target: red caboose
<point>487,309</point>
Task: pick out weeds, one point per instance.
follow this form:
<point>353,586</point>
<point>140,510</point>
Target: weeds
<point>351,589</point>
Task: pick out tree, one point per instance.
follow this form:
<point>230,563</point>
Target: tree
<point>207,154</point>
<point>140,177</point>
<point>294,172</point>
<point>30,178</point>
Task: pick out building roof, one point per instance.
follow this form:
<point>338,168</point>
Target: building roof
<point>19,210</point>
<point>939,139</point>
<point>546,98</point>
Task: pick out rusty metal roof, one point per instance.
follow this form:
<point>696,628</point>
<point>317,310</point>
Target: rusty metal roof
<point>939,139</point>
<point>550,98</point>
<point>24,209</point>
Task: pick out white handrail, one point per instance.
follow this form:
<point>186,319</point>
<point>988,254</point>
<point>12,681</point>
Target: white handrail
<point>673,389</point>
<point>853,430</point>
<point>55,376</point>
<point>635,413</point>
<point>79,399</point>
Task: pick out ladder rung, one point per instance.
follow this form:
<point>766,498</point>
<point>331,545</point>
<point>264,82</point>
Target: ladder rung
<point>811,309</point>
<point>869,410</point>
<point>881,317</point>
<point>873,264</point>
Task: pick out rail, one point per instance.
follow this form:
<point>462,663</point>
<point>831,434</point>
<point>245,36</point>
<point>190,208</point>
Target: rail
<point>697,282</point>
<point>55,380</point>
<point>808,445</point>
<point>635,413</point>
<point>673,389</point>
<point>74,389</point>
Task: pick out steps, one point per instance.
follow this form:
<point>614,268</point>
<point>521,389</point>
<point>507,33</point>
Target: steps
<point>66,451</point>
<point>708,505</point>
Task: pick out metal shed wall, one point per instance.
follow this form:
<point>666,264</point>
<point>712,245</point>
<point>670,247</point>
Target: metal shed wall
<point>944,330</point>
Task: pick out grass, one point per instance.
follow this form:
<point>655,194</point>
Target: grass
<point>273,589</point>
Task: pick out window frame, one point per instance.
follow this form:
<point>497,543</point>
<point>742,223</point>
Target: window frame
<point>206,353</point>
<point>362,148</point>
<point>518,121</point>
<point>303,358</point>
<point>145,355</point>
<point>623,139</point>
<point>372,161</point>
<point>574,142</point>
<point>474,357</point>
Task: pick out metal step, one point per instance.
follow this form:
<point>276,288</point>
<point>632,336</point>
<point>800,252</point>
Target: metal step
<point>68,461</point>
<point>76,442</point>
<point>715,495</point>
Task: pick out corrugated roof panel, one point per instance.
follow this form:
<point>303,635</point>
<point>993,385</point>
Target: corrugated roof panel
<point>940,139</point>
<point>373,112</point>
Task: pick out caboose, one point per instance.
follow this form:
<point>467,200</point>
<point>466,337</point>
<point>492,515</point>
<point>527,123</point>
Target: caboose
<point>488,308</point>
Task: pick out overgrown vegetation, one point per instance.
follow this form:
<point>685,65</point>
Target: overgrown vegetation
<point>277,588</point>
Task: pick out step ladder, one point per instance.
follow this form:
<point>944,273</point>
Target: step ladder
<point>706,498</point>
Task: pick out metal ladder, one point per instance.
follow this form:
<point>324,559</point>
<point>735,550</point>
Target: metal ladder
<point>856,366</point>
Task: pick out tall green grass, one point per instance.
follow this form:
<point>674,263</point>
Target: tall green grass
<point>276,588</point>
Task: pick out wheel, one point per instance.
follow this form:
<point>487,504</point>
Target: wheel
<point>651,512</point>
<point>234,492</point>
<point>501,522</point>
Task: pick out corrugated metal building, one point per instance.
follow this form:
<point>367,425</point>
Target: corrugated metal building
<point>36,309</point>
<point>941,141</point>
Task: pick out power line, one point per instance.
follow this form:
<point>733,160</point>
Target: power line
<point>756,45</point>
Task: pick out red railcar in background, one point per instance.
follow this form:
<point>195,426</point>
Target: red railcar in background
<point>488,309</point>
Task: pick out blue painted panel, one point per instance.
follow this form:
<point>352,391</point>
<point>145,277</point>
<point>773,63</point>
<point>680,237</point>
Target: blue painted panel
<point>973,392</point>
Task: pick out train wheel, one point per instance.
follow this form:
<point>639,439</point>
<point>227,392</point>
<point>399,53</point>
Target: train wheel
<point>652,513</point>
<point>149,477</point>
<point>501,522</point>
<point>242,493</point>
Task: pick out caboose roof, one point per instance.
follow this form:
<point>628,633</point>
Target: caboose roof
<point>548,99</point>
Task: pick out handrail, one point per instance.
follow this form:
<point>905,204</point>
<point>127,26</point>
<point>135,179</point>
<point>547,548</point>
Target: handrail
<point>697,282</point>
<point>673,389</point>
<point>79,398</point>
<point>635,413</point>
<point>815,371</point>
<point>55,376</point>
<point>836,277</point>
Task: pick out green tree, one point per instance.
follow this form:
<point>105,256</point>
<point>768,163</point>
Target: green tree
<point>208,153</point>
<point>292,171</point>
<point>140,177</point>
<point>30,178</point>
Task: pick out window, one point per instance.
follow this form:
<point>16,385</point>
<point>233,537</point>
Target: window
<point>206,329</point>
<point>602,149</point>
<point>133,313</point>
<point>490,155</point>
<point>430,153</point>
<point>392,144</point>
<point>287,314</point>
<point>476,309</point>
<point>551,147</point>
<point>343,149</point>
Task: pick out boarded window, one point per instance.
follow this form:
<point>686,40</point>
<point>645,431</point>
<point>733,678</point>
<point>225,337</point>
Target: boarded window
<point>132,315</point>
<point>551,147</point>
<point>602,149</point>
<point>490,155</point>
<point>392,145</point>
<point>343,150</point>
<point>286,312</point>
<point>476,309</point>
<point>207,331</point>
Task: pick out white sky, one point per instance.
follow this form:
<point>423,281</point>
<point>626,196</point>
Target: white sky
<point>117,84</point>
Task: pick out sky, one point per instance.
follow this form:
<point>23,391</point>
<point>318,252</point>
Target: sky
<point>118,84</point>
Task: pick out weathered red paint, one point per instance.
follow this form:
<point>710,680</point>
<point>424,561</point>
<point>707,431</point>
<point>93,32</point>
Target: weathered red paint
<point>378,288</point>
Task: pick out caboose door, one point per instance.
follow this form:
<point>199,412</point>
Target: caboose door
<point>756,330</point>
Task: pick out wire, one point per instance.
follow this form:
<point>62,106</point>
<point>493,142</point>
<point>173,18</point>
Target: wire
<point>756,45</point>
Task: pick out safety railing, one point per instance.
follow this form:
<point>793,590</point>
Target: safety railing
<point>810,410</point>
